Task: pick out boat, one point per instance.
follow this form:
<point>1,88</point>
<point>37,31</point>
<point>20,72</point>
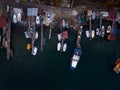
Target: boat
<point>14,18</point>
<point>63,23</point>
<point>103,31</point>
<point>97,31</point>
<point>19,17</point>
<point>64,47</point>
<point>87,34</point>
<point>36,35</point>
<point>37,20</point>
<point>109,28</point>
<point>75,58</point>
<point>34,51</point>
<point>59,46</point>
<point>59,37</point>
<point>116,68</point>
<point>93,34</point>
<point>93,15</point>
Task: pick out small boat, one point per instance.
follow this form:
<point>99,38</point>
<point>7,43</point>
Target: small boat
<point>93,34</point>
<point>14,18</point>
<point>63,23</point>
<point>19,17</point>
<point>116,68</point>
<point>93,15</point>
<point>34,51</point>
<point>103,31</point>
<point>36,35</point>
<point>26,34</point>
<point>37,20</point>
<point>97,31</point>
<point>75,58</point>
<point>87,34</point>
<point>64,47</point>
<point>59,37</point>
<point>59,46</point>
<point>109,29</point>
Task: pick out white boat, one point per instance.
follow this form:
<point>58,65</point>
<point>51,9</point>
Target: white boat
<point>14,18</point>
<point>75,58</point>
<point>59,37</point>
<point>64,47</point>
<point>93,34</point>
<point>103,31</point>
<point>37,20</point>
<point>87,34</point>
<point>59,46</point>
<point>63,23</point>
<point>26,34</point>
<point>34,51</point>
<point>36,35</point>
<point>97,31</point>
<point>19,17</point>
<point>109,29</point>
<point>93,15</point>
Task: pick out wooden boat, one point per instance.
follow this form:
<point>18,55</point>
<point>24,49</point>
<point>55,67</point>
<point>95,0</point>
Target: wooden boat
<point>75,58</point>
<point>64,47</point>
<point>58,46</point>
<point>117,66</point>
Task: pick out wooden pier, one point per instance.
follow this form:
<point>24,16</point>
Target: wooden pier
<point>79,37</point>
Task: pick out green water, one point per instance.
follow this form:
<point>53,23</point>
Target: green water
<point>49,70</point>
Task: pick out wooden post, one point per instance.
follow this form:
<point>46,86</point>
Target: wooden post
<point>41,35</point>
<point>9,39</point>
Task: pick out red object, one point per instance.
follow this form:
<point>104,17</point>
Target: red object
<point>2,22</point>
<point>117,61</point>
<point>111,37</point>
<point>112,14</point>
<point>65,34</point>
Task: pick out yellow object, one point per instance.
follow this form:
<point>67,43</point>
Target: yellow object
<point>117,68</point>
<point>28,46</point>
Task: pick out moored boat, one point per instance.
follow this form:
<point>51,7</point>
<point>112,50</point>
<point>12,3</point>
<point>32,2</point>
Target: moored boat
<point>97,31</point>
<point>109,29</point>
<point>14,18</point>
<point>64,47</point>
<point>103,31</point>
<point>59,46</point>
<point>75,58</point>
<point>87,34</point>
<point>93,34</point>
<point>37,20</point>
<point>34,51</point>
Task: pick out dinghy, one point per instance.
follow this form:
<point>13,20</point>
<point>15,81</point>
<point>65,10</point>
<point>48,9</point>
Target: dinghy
<point>87,34</point>
<point>109,28</point>
<point>97,31</point>
<point>93,34</point>
<point>59,46</point>
<point>36,35</point>
<point>37,20</point>
<point>19,17</point>
<point>14,18</point>
<point>64,47</point>
<point>103,31</point>
<point>34,51</point>
<point>59,37</point>
<point>93,15</point>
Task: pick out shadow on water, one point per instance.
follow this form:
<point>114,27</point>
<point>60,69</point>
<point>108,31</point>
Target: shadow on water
<point>49,70</point>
